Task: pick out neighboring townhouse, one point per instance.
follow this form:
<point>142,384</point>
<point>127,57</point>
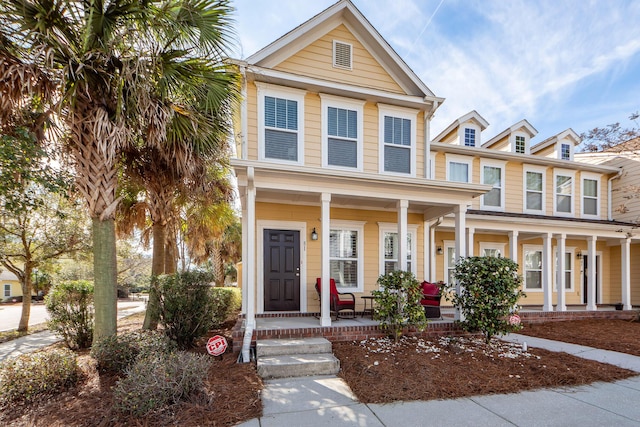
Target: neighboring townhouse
<point>335,161</point>
<point>11,287</point>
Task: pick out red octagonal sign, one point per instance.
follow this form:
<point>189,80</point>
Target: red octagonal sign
<point>216,345</point>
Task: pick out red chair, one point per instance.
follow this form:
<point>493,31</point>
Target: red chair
<point>431,295</point>
<point>338,301</point>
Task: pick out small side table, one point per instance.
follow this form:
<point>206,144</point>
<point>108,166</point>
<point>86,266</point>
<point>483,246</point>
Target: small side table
<point>368,305</point>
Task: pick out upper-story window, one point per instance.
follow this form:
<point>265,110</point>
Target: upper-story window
<point>492,173</point>
<point>563,193</point>
<point>565,151</point>
<point>397,136</point>
<point>590,196</point>
<point>459,168</point>
<point>534,184</point>
<point>341,132</point>
<point>521,144</point>
<point>469,137</point>
<point>280,127</point>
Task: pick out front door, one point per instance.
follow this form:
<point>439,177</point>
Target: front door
<point>281,270</point>
<point>587,265</point>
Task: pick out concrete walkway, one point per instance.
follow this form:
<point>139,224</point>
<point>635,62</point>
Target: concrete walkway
<point>328,401</point>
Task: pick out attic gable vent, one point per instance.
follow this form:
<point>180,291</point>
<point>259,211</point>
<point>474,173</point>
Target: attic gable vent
<point>341,55</point>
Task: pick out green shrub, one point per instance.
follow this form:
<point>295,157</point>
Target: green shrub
<point>397,303</point>
<point>70,307</point>
<point>155,382</point>
<point>185,306</point>
<point>116,353</point>
<point>489,294</point>
<point>226,301</point>
<point>31,376</point>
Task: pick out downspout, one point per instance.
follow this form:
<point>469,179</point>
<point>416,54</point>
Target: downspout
<point>248,270</point>
<point>427,140</point>
<point>243,115</point>
<point>609,210</point>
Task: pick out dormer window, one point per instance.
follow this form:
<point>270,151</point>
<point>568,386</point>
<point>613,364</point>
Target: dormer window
<point>521,144</point>
<point>469,137</point>
<point>565,151</point>
<point>342,55</point>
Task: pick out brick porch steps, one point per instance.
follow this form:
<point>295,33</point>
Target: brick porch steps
<point>296,357</point>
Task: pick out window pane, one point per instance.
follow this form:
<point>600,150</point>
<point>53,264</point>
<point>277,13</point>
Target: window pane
<point>270,111</point>
<point>590,187</point>
<point>534,201</point>
<point>388,130</point>
<point>534,181</point>
<point>332,121</point>
<point>469,137</point>
<point>281,145</point>
<point>533,280</point>
<point>345,273</point>
<point>343,153</point>
<point>397,131</point>
<point>292,115</point>
<point>563,204</point>
<point>533,260</point>
<point>397,159</point>
<point>391,246</point>
<point>563,184</point>
<point>458,172</point>
<point>281,113</point>
<point>591,206</point>
<point>352,124</point>
<point>492,198</point>
<point>492,175</point>
<point>520,144</point>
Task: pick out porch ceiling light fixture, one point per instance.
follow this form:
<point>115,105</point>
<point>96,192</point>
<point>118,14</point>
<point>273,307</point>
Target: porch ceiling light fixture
<point>439,250</point>
<point>314,234</point>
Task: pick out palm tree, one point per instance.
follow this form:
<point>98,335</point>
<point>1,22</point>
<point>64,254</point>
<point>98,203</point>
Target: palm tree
<point>104,56</point>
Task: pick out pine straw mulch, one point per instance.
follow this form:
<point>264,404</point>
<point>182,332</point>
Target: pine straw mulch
<point>615,335</point>
<point>381,371</point>
<point>232,396</point>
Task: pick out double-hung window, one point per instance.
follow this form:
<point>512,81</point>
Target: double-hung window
<point>280,124</point>
<point>563,188</point>
<point>492,173</point>
<point>390,248</point>
<point>568,270</point>
<point>532,268</point>
<point>458,168</point>
<point>590,196</point>
<point>7,289</point>
<point>342,132</point>
<point>469,137</point>
<point>534,184</point>
<point>398,140</point>
<point>346,245</point>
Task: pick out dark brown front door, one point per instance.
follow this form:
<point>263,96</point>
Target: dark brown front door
<point>281,270</point>
<point>587,265</point>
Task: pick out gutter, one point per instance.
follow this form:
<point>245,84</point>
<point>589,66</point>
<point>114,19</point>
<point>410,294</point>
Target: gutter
<point>609,210</point>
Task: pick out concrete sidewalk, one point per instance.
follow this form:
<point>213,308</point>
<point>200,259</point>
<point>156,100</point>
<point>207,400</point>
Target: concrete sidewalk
<point>323,401</point>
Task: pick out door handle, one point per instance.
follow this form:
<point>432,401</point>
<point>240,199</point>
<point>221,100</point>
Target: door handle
<point>297,274</point>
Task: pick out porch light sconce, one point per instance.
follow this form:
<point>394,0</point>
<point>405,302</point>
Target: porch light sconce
<point>579,255</point>
<point>314,234</point>
<point>439,250</point>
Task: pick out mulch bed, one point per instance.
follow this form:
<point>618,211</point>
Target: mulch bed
<point>381,371</point>
<point>615,335</point>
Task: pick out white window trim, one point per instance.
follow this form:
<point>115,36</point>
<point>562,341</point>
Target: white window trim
<point>403,113</point>
<point>537,169</point>
<point>569,173</point>
<point>559,145</point>
<point>456,158</point>
<point>525,249</point>
<point>298,95</point>
<point>446,245</point>
<point>567,250</point>
<point>594,177</point>
<point>261,225</point>
<point>347,104</point>
<point>462,131</point>
<point>493,245</point>
<point>502,166</point>
<point>512,142</point>
<point>333,60</point>
<point>387,227</point>
<point>359,227</point>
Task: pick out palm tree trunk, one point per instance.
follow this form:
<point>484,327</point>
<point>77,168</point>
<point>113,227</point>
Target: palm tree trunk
<point>218,265</point>
<point>26,284</point>
<point>170,253</point>
<point>105,273</point>
<point>157,268</point>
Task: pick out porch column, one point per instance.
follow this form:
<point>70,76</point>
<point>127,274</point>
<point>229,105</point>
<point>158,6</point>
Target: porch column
<point>432,253</point>
<point>426,251</point>
<point>470,232</point>
<point>546,273</point>
<point>591,274</point>
<point>625,258</point>
<point>460,212</point>
<point>403,205</point>
<point>249,268</point>
<point>325,314</point>
<point>513,246</point>
<point>560,276</point>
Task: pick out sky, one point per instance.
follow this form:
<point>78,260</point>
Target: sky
<point>559,63</point>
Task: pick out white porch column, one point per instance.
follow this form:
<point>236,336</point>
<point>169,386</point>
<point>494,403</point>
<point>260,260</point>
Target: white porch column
<point>470,233</point>
<point>249,268</point>
<point>560,277</point>
<point>403,205</point>
<point>432,254</point>
<point>325,309</point>
<point>460,212</point>
<point>625,258</point>
<point>546,273</point>
<point>591,274</point>
<point>513,246</point>
<point>426,251</point>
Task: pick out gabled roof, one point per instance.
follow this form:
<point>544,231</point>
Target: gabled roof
<point>473,116</point>
<point>521,125</point>
<point>343,12</point>
<point>568,133</point>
